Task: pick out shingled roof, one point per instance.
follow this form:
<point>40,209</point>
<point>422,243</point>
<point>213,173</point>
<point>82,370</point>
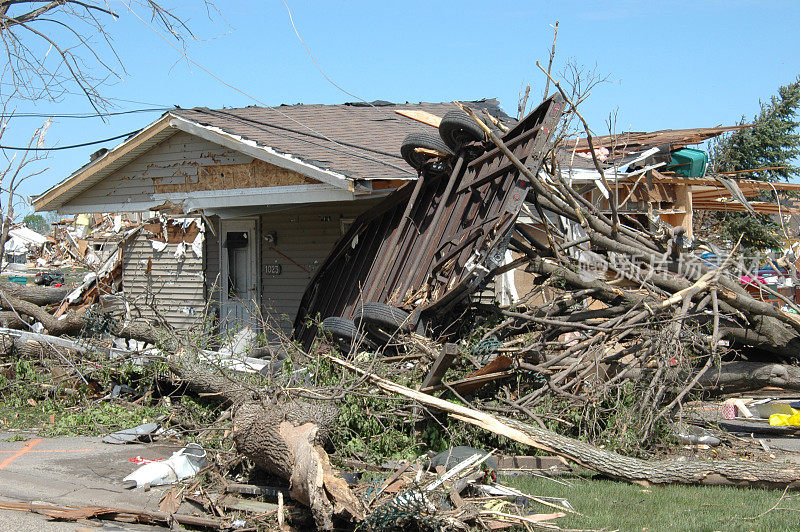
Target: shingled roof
<point>334,144</point>
<point>360,141</point>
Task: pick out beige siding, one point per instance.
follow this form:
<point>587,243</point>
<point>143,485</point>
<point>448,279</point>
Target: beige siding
<point>175,288</point>
<point>174,161</point>
<point>305,236</point>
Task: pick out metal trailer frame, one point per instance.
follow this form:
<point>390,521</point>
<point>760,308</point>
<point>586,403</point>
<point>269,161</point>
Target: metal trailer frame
<point>428,247</point>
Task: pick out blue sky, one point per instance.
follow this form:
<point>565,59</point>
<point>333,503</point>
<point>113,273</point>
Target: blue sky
<point>670,64</point>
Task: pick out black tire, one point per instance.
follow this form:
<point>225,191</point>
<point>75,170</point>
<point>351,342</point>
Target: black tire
<point>421,140</point>
<point>458,129</point>
<point>345,334</point>
<point>382,322</point>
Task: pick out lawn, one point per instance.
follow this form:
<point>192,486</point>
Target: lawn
<point>615,505</point>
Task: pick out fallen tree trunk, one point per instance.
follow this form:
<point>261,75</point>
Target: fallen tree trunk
<point>732,377</point>
<point>11,320</point>
<point>144,331</point>
<point>668,471</point>
<point>38,295</point>
<point>741,376</point>
<point>68,323</point>
<point>282,437</point>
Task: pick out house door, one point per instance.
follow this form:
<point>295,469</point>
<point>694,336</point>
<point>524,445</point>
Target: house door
<point>239,269</point>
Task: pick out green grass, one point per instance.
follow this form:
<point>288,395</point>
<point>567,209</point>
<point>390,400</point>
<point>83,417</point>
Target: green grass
<point>92,420</point>
<point>615,505</point>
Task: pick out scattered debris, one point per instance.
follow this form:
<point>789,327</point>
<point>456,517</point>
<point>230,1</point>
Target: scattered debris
<point>182,464</point>
<point>613,339</point>
<point>142,433</point>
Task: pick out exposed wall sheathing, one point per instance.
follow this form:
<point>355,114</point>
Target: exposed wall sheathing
<point>183,164</point>
<point>226,176</point>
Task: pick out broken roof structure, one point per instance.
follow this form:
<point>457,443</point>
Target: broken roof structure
<point>271,191</point>
<point>323,152</point>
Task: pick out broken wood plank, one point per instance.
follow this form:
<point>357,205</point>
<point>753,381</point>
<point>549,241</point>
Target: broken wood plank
<point>393,477</point>
<point>229,502</point>
<point>440,366</point>
<point>469,384</point>
<point>532,463</point>
<point>508,520</point>
<point>420,116</point>
<point>74,513</point>
<point>253,489</point>
<point>432,153</point>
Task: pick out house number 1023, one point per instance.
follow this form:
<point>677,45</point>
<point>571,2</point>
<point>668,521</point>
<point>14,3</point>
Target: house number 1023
<point>273,269</point>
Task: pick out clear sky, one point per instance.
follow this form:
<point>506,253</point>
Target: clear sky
<point>670,64</point>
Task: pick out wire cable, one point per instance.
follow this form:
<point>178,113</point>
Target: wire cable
<point>110,98</point>
<point>255,123</point>
<point>314,60</point>
<point>81,145</point>
<point>244,93</point>
<point>88,115</point>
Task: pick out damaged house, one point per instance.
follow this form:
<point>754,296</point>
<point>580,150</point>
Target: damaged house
<point>246,204</point>
<point>250,201</point>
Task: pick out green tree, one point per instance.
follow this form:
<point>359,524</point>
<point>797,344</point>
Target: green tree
<point>772,142</point>
<point>37,223</point>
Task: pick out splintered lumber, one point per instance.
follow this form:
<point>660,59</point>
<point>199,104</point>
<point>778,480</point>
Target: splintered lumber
<point>420,116</point>
<point>646,472</point>
<point>440,365</point>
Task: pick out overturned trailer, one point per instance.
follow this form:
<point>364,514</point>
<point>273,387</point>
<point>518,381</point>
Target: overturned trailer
<point>410,260</point>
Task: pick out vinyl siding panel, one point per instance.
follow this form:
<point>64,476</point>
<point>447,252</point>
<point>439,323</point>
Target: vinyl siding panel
<point>305,236</point>
<point>176,289</point>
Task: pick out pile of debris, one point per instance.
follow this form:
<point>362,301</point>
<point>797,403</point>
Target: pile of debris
<point>625,324</point>
<point>88,239</point>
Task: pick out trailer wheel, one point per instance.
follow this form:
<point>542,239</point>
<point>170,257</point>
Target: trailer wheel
<point>382,322</point>
<point>428,141</point>
<point>345,334</point>
<point>457,129</point>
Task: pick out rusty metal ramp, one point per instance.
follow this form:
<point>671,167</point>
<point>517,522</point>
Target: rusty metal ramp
<point>430,244</point>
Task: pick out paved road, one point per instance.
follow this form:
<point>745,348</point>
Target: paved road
<point>72,471</point>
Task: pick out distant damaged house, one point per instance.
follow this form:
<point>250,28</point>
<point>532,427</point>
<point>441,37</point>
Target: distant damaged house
<point>249,201</point>
<point>655,174</point>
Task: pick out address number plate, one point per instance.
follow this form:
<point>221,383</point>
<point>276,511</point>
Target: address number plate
<point>273,269</point>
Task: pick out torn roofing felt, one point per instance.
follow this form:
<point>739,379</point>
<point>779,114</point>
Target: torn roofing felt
<point>358,140</point>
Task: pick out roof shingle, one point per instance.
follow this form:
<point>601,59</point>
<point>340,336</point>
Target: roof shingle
<point>361,141</point>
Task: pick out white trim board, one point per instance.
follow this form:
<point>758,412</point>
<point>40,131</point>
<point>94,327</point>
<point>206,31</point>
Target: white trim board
<point>263,153</point>
<point>245,197</point>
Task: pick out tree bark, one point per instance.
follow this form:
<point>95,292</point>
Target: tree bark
<point>733,377</point>
<point>282,437</point>
<point>10,320</point>
<point>741,376</point>
<point>69,323</point>
<point>144,331</point>
<point>38,295</point>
